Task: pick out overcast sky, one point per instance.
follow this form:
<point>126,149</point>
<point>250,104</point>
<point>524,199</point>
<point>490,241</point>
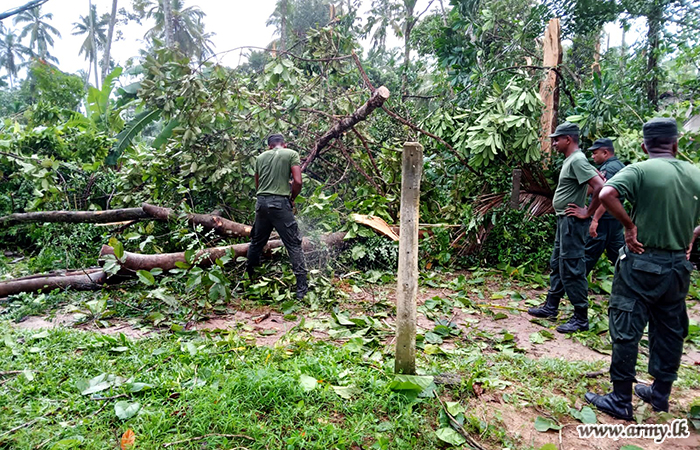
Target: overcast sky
<point>236,23</point>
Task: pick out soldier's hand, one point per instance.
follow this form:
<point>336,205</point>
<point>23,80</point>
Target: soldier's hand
<point>576,211</point>
<point>593,228</point>
<point>631,240</point>
<point>696,234</point>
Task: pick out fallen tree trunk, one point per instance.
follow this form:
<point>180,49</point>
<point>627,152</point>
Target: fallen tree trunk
<point>87,279</point>
<point>110,215</point>
<point>379,96</point>
<point>221,226</point>
<point>134,262</point>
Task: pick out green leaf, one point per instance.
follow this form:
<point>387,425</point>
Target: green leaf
<point>586,415</point>
<point>118,248</point>
<point>543,424</point>
<point>454,408</point>
<point>308,383</point>
<point>126,410</point>
<point>346,392</point>
<point>138,387</point>
<point>165,134</point>
<point>415,383</point>
<point>130,131</point>
<point>450,436</point>
<point>630,447</point>
<point>146,277</point>
<point>548,447</point>
<point>67,444</point>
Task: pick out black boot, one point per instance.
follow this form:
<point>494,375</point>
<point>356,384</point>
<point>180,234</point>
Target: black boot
<point>302,286</point>
<point>250,270</point>
<point>656,395</point>
<point>618,403</point>
<point>548,310</point>
<point>578,322</point>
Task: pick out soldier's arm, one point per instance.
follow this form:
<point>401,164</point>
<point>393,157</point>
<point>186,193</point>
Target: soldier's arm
<point>610,198</point>
<point>257,181</point>
<point>296,182</point>
<point>596,183</point>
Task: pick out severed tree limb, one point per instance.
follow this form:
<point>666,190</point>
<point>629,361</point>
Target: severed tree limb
<point>377,99</point>
<point>133,262</point>
<point>221,226</point>
<point>395,116</point>
<point>110,215</point>
<point>88,279</point>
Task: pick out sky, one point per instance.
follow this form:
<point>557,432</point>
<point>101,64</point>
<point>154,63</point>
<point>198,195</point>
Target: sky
<point>236,23</point>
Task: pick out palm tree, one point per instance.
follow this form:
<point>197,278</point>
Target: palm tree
<point>186,25</point>
<point>110,35</point>
<point>12,54</point>
<point>39,31</point>
<point>95,38</point>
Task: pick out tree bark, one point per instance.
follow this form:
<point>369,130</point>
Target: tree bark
<point>205,258</point>
<point>110,215</point>
<point>549,88</point>
<point>221,226</point>
<point>377,99</point>
<point>87,279</point>
<point>168,23</point>
<point>94,44</point>
<point>655,23</point>
<point>110,35</point>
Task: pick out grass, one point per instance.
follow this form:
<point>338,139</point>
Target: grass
<point>184,386</point>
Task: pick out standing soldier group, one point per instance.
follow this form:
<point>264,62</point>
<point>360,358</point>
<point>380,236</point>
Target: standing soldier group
<point>652,268</point>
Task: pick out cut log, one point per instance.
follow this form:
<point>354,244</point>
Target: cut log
<point>221,226</point>
<point>110,215</point>
<point>167,261</point>
<point>377,99</point>
<point>88,279</point>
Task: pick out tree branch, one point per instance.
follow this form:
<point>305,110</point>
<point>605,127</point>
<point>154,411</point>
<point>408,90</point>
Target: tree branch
<point>379,96</point>
<point>19,9</point>
<point>429,134</point>
<point>558,72</point>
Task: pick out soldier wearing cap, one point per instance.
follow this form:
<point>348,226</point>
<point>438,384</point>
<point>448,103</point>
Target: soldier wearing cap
<point>652,274</point>
<point>568,262</point>
<point>605,233</point>
<point>275,207</point>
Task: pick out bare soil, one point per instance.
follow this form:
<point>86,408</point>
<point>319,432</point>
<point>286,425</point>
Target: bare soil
<point>266,327</point>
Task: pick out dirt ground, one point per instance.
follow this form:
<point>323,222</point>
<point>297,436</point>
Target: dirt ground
<point>267,327</point>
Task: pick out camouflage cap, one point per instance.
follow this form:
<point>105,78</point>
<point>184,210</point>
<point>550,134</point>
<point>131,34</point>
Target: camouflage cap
<point>602,143</point>
<point>566,129</point>
<point>660,127</point>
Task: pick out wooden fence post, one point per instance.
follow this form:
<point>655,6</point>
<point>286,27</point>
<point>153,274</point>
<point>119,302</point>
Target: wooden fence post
<point>407,280</point>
